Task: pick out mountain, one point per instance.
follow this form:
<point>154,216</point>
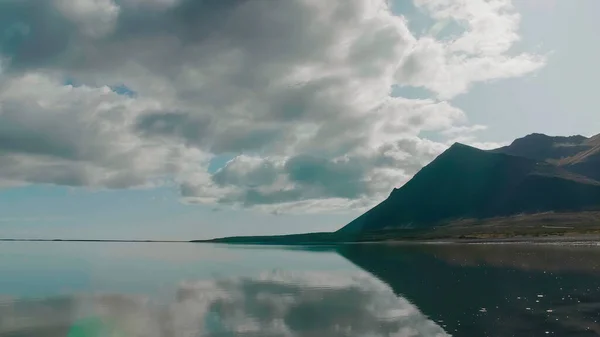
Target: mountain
<point>577,154</point>
<point>586,162</point>
<point>542,147</point>
<point>465,182</point>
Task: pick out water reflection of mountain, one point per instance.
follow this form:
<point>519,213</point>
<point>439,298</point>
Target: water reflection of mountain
<point>303,305</point>
<point>493,290</point>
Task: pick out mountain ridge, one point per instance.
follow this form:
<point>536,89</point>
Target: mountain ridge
<point>465,182</point>
<point>577,154</point>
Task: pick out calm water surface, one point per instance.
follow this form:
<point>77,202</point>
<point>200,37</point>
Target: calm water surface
<point>168,290</point>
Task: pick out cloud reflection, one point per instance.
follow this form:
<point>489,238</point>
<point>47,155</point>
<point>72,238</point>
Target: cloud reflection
<point>275,304</point>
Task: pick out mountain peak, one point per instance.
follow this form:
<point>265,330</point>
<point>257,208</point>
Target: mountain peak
<point>594,140</point>
<point>535,135</point>
<point>542,147</point>
<point>460,147</point>
<point>550,140</point>
<point>460,152</point>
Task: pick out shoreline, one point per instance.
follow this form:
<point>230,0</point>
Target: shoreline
<point>566,240</point>
<point>556,240</point>
<point>574,239</point>
<point>91,241</point>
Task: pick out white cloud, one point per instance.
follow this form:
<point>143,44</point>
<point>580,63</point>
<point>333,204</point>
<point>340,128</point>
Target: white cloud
<point>491,26</point>
<point>481,53</point>
<point>95,18</point>
<point>299,90</point>
<point>306,183</point>
<point>464,129</point>
<point>78,136</point>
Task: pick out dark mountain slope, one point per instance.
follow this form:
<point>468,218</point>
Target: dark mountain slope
<point>577,154</point>
<point>594,141</point>
<point>586,162</point>
<point>465,182</point>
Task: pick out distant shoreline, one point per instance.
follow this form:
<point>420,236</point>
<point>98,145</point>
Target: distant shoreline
<point>276,241</point>
<point>575,239</point>
<point>81,240</point>
<point>521,240</point>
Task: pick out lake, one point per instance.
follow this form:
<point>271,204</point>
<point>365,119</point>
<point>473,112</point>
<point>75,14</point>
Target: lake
<point>55,289</point>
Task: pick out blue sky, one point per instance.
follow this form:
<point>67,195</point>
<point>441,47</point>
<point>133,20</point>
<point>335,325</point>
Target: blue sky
<point>186,127</point>
<point>59,212</point>
<point>560,99</point>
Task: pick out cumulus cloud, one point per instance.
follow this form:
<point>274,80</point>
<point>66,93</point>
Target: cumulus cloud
<point>275,304</point>
<point>291,183</point>
<point>78,136</point>
<point>94,17</point>
<point>299,92</point>
<point>480,54</point>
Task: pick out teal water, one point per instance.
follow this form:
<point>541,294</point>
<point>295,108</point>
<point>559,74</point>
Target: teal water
<point>50,289</point>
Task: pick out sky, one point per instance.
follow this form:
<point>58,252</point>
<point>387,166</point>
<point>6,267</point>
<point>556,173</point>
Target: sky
<point>187,119</point>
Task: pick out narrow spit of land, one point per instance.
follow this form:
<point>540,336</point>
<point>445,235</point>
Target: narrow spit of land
<point>82,240</point>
